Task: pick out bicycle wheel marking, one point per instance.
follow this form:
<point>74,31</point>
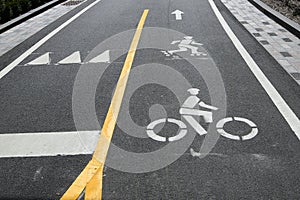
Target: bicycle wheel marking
<point>183,129</point>
<point>155,136</point>
<point>222,122</point>
<point>152,134</point>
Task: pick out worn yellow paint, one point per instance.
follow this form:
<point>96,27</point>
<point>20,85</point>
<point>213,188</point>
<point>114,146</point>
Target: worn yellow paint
<point>91,177</point>
<point>93,190</point>
<point>79,184</point>
<point>112,114</point>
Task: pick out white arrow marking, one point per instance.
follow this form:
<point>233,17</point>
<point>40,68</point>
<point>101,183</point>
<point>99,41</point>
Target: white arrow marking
<point>71,59</point>
<point>178,14</point>
<point>42,60</point>
<point>102,58</point>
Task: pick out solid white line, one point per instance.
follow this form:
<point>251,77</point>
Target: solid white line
<point>48,143</point>
<point>279,102</point>
<point>12,65</point>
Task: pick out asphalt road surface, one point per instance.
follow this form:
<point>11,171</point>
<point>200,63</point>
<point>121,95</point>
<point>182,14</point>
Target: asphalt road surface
<point>54,99</point>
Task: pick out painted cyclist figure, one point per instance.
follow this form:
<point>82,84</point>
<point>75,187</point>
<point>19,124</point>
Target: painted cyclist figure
<point>190,108</point>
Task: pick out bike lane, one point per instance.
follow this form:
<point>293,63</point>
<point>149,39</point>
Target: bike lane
<point>259,168</point>
<point>233,169</point>
<point>36,99</point>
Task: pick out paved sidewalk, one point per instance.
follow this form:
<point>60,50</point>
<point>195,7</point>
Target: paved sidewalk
<point>281,44</point>
<point>21,32</point>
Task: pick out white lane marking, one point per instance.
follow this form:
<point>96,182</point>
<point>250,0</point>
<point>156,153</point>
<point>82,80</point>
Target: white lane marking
<point>150,130</point>
<point>247,121</point>
<point>155,136</point>
<point>222,122</point>
<point>102,58</point>
<point>71,59</point>
<point>17,61</point>
<point>204,105</point>
<point>185,45</point>
<point>178,122</point>
<point>154,123</point>
<point>48,143</point>
<point>228,135</point>
<point>278,101</point>
<point>42,60</point>
<point>250,135</point>
<point>180,135</point>
<point>195,124</point>
<point>178,14</point>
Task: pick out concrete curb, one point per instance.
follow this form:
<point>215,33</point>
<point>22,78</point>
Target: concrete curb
<point>30,14</point>
<point>290,25</point>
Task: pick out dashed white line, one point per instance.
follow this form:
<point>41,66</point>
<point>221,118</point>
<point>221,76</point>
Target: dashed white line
<point>71,59</point>
<point>17,61</point>
<point>42,60</point>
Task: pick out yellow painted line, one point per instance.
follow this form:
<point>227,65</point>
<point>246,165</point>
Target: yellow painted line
<point>79,184</point>
<point>91,177</point>
<point>93,189</point>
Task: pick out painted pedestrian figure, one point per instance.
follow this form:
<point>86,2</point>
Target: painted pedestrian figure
<point>185,45</point>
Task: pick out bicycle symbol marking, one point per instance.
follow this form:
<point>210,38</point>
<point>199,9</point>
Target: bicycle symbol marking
<point>188,111</point>
<point>222,122</point>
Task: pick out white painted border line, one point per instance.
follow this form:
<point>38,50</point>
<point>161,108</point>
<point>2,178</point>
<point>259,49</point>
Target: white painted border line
<point>17,61</point>
<point>279,102</point>
<point>48,143</point>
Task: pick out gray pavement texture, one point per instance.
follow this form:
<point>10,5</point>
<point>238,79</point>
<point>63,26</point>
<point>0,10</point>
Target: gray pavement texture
<point>281,44</point>
<point>39,98</point>
<point>18,34</point>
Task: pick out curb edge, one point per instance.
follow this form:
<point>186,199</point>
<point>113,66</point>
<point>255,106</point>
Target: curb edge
<point>16,21</point>
<point>290,25</point>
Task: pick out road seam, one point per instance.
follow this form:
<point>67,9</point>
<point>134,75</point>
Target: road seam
<point>91,177</point>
